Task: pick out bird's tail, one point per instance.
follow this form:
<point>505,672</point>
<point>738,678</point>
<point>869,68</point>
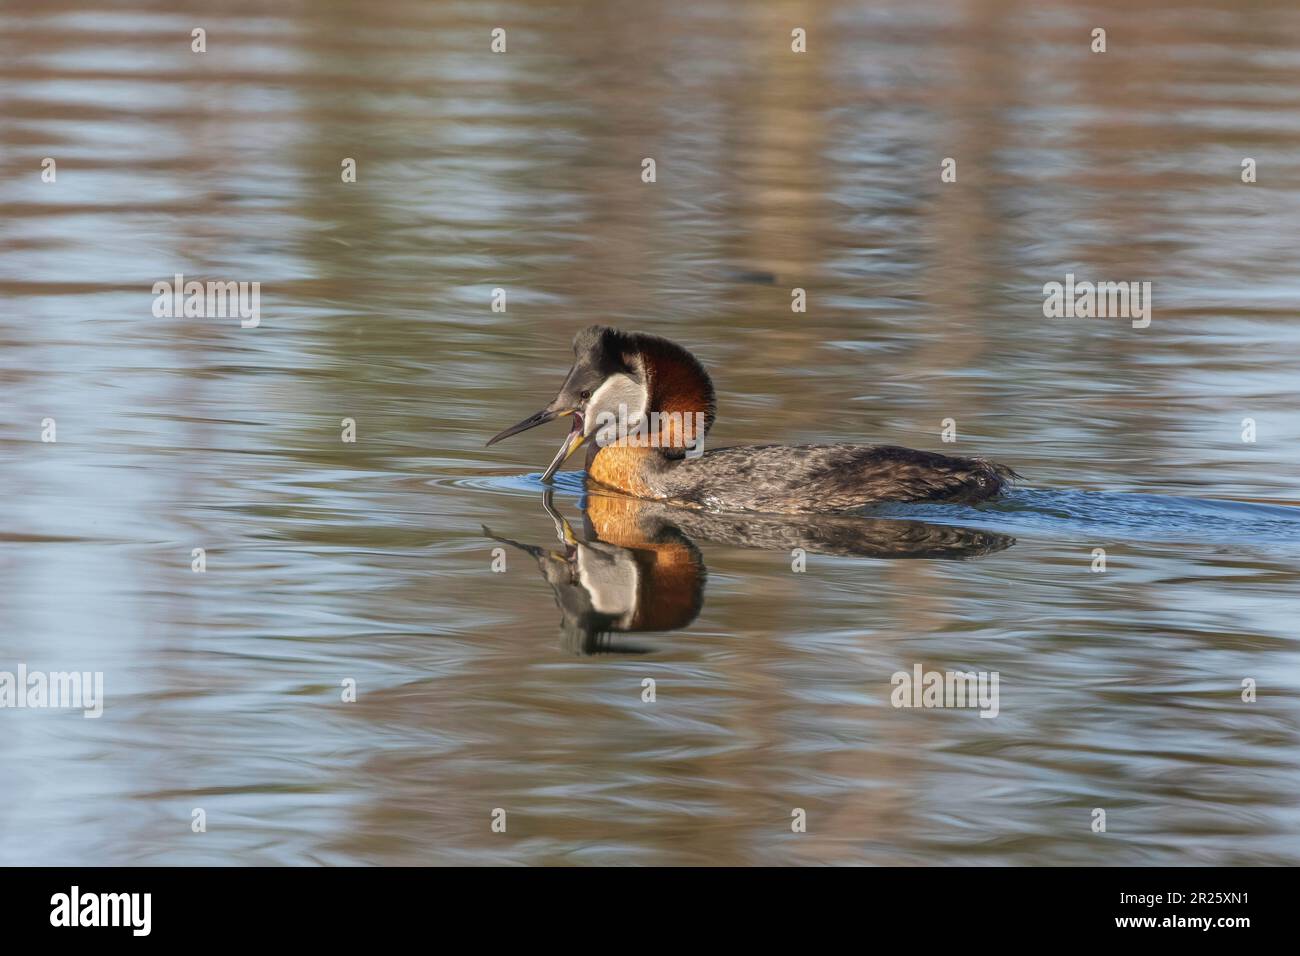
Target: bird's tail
<point>1005,475</point>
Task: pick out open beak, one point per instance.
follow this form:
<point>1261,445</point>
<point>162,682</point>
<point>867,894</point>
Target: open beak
<point>532,421</point>
<point>572,441</point>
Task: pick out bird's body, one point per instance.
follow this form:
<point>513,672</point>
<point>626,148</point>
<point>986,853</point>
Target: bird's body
<point>645,405</point>
<point>798,479</point>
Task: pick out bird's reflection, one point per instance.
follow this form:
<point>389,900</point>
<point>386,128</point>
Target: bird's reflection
<point>635,567</point>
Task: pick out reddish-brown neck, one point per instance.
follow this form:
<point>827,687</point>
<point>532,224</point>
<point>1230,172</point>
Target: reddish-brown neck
<point>680,390</point>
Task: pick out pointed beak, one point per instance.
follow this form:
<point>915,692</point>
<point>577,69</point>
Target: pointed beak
<point>572,441</point>
<point>532,421</point>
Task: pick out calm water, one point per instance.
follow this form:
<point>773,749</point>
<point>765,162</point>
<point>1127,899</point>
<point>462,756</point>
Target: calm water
<point>370,561</point>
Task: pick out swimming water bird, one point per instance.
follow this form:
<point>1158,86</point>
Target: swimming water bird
<point>635,566</point>
<point>643,404</point>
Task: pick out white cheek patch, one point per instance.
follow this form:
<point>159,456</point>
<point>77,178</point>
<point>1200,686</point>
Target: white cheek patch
<point>612,579</point>
<point>619,403</point>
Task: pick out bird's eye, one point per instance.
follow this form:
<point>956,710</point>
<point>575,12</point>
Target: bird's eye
<point>584,394</point>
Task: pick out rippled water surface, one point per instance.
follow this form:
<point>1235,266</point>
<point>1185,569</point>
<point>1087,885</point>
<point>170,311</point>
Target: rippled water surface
<point>372,560</point>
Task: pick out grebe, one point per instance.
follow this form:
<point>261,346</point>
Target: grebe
<point>636,567</point>
<point>627,376</point>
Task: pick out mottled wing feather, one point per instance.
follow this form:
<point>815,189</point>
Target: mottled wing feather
<point>829,478</point>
